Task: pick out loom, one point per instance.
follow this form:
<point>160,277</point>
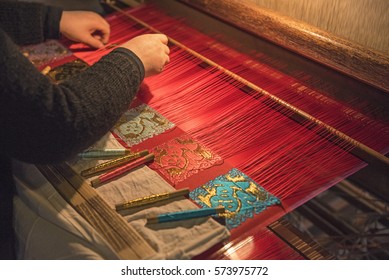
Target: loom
<point>301,113</point>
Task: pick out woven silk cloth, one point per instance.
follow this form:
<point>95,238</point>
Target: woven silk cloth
<point>67,70</point>
<point>183,157</point>
<point>46,52</point>
<point>237,193</point>
<point>141,123</point>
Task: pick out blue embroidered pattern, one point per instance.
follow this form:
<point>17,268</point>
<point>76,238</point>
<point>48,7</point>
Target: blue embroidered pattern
<point>237,193</point>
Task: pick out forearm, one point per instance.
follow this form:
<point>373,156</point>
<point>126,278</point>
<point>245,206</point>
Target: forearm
<point>29,23</point>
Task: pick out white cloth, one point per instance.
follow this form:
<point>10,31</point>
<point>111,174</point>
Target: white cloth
<point>47,227</point>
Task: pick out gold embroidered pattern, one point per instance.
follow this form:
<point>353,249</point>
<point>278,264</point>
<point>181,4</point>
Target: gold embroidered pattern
<point>182,157</point>
<point>67,70</point>
<point>141,123</point>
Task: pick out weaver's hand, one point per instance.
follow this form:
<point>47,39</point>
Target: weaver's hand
<point>152,50</point>
<point>85,27</point>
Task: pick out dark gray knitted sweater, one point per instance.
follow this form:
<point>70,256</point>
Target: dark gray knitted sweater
<point>41,122</point>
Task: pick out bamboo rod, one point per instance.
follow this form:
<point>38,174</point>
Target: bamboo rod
<point>364,152</point>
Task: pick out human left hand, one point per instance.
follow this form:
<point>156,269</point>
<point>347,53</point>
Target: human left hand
<point>85,27</point>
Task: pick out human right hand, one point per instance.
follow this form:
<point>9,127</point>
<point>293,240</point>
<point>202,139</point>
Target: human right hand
<point>85,27</point>
<point>152,50</point>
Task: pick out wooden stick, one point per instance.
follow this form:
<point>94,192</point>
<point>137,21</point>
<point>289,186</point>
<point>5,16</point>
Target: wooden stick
<point>151,199</point>
<point>111,175</point>
<point>111,164</point>
<point>185,215</point>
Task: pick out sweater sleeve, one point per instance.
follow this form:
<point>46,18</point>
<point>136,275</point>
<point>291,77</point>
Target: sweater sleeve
<point>29,23</point>
<point>42,122</point>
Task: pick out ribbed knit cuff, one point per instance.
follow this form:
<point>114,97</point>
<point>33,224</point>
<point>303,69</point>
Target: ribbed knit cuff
<point>52,20</point>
